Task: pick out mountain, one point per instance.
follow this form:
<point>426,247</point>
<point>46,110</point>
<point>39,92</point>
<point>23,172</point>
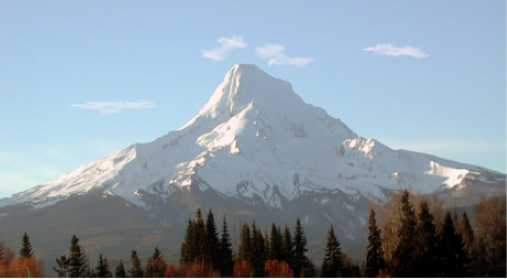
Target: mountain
<point>257,150</point>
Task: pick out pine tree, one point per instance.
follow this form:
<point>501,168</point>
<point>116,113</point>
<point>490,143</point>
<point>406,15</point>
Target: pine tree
<point>426,245</point>
<point>102,269</point>
<point>332,264</point>
<point>137,270</point>
<point>212,253</point>
<point>156,266</point>
<point>226,254</point>
<point>468,236</point>
<point>26,251</point>
<point>301,262</point>
<point>266,245</point>
<point>63,264</point>
<point>275,242</point>
<point>257,251</point>
<point>199,234</point>
<point>119,271</point>
<point>245,246</point>
<point>375,256</point>
<point>287,247</point>
<point>405,253</point>
<point>78,263</point>
<point>454,259</point>
<point>187,253</point>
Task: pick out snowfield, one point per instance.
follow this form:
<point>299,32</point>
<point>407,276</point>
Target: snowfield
<point>253,136</point>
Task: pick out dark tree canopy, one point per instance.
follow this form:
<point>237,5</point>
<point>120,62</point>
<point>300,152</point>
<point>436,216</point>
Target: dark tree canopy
<point>375,255</point>
<point>332,265</point>
<point>26,250</point>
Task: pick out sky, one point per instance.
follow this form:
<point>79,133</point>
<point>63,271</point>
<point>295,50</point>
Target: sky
<point>82,79</point>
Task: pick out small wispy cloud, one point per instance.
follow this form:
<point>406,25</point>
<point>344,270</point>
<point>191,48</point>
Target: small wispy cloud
<point>275,54</point>
<point>391,50</point>
<point>115,107</point>
<point>228,44</point>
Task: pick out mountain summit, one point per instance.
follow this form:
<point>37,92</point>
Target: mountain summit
<point>257,145</point>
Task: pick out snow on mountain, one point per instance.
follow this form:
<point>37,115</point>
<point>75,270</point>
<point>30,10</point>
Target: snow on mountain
<point>255,137</point>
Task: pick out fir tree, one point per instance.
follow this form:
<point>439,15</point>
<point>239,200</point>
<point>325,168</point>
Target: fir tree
<point>63,264</point>
<point>226,254</point>
<point>245,246</point>
<point>102,269</point>
<point>156,266</point>
<point>26,251</point>
<point>187,253</point>
<point>266,245</point>
<point>427,250</point>
<point>257,251</point>
<point>301,262</point>
<point>275,242</point>
<point>468,236</point>
<point>287,247</point>
<point>332,264</point>
<point>137,270</point>
<point>198,241</point>
<point>405,253</point>
<point>78,263</point>
<point>454,259</point>
<point>212,253</point>
<point>375,256</point>
<point>119,271</point>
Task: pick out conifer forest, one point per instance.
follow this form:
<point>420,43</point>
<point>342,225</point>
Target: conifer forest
<point>409,236</point>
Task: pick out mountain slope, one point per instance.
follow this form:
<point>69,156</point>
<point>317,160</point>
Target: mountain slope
<point>253,136</point>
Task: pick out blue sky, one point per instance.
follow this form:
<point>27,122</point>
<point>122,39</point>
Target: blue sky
<point>427,76</point>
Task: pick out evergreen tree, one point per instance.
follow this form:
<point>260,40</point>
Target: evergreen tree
<point>301,262</point>
<point>226,253</point>
<point>245,246</point>
<point>78,263</point>
<point>287,247</point>
<point>187,253</point>
<point>257,251</point>
<point>275,242</point>
<point>405,253</point>
<point>454,259</point>
<point>332,264</point>
<point>156,266</point>
<point>137,270</point>
<point>212,253</point>
<point>375,256</point>
<point>63,264</point>
<point>102,269</point>
<point>468,237</point>
<point>119,271</point>
<point>266,245</point>
<point>199,234</point>
<point>26,251</point>
<point>427,249</point>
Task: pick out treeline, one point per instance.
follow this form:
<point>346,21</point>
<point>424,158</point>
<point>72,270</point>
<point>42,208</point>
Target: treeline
<point>404,241</point>
<point>423,242</point>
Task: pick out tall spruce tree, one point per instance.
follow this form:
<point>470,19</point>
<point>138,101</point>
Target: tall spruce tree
<point>275,242</point>
<point>468,236</point>
<point>26,251</point>
<point>156,266</point>
<point>226,253</point>
<point>287,247</point>
<point>266,245</point>
<point>78,263</point>
<point>427,244</point>
<point>257,251</point>
<point>452,250</point>
<point>375,256</point>
<point>119,271</point>
<point>137,270</point>
<point>301,263</point>
<point>187,253</point>
<point>199,235</point>
<point>405,253</point>
<point>211,244</point>
<point>102,269</point>
<point>245,246</point>
<point>332,265</point>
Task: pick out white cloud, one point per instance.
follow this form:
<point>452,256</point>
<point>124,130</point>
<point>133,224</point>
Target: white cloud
<point>391,50</point>
<point>114,107</point>
<point>275,54</point>
<point>228,44</point>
